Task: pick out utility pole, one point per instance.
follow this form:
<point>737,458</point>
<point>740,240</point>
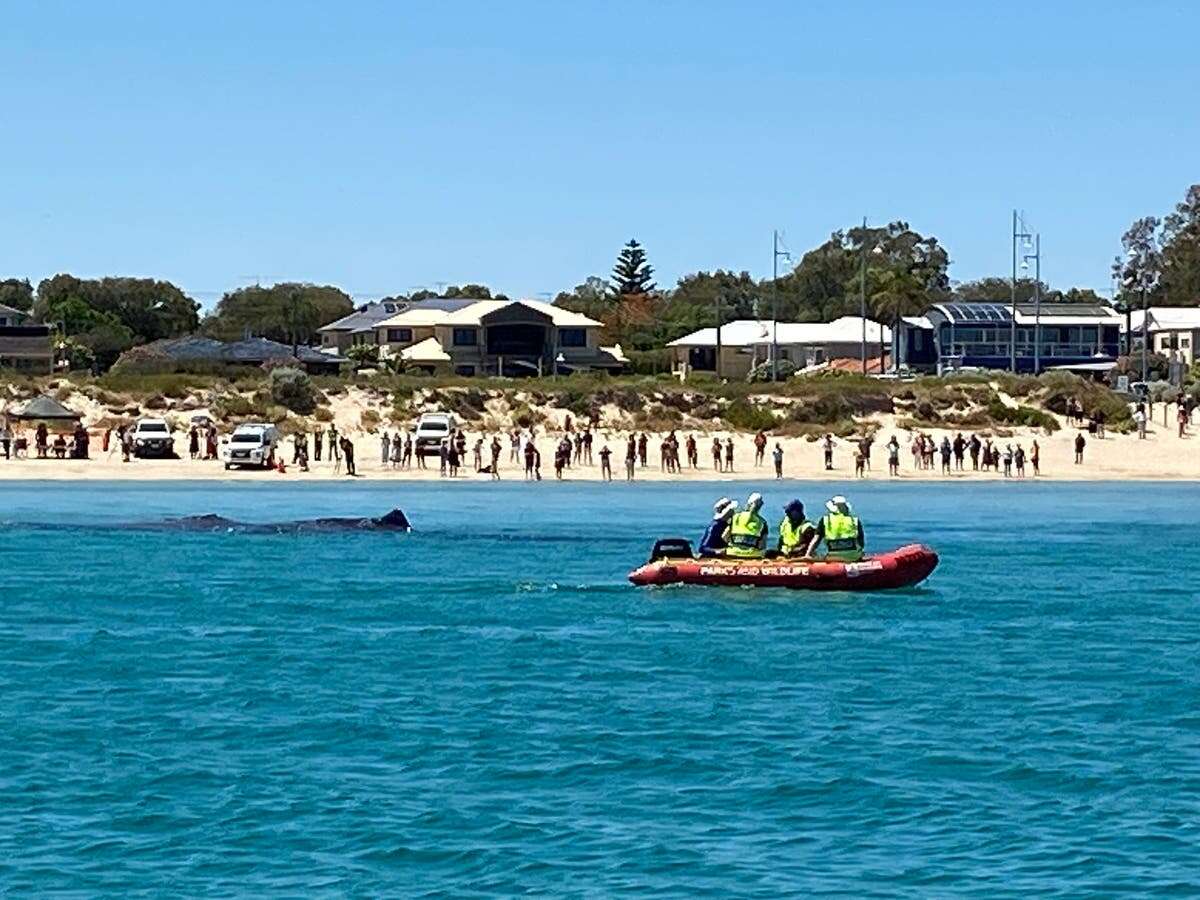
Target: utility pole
<point>862,296</point>
<point>776,254</point>
<point>1145,330</point>
<point>717,308</point>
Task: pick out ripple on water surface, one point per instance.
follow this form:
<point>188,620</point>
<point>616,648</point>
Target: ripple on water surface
<point>486,707</point>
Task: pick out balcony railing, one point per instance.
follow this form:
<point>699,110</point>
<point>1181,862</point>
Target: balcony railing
<point>1049,351</point>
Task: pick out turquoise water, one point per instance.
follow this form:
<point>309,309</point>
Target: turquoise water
<point>487,707</point>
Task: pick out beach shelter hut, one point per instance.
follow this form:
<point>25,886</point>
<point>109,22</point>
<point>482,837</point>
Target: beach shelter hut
<point>45,409</point>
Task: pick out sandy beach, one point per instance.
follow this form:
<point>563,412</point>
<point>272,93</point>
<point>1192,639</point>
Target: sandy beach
<point>1163,455</point>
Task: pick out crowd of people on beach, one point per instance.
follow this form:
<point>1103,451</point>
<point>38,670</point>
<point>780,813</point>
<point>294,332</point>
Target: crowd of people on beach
<point>575,446</point>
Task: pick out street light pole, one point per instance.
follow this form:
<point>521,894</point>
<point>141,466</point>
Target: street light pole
<point>717,310</point>
<point>1019,233</point>
<point>1037,304</point>
<point>774,305</point>
<point>1145,331</point>
<point>862,296</point>
<point>1013,327</point>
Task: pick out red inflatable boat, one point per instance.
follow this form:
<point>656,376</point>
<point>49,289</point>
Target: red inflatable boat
<point>672,562</point>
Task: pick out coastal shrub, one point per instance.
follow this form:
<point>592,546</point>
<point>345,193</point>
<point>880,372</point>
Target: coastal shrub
<point>369,420</point>
<point>292,389</point>
<point>155,401</point>
<point>649,362</point>
<point>1021,415</point>
<point>231,406</point>
<point>323,414</point>
<point>1093,396</point>
<point>742,415</point>
<point>764,372</point>
<point>525,416</point>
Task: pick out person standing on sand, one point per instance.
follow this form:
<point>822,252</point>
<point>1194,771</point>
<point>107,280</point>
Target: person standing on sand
<point>443,456</point>
<point>630,457</point>
<point>605,463</point>
<point>947,452</point>
<point>693,456</point>
<point>643,443</point>
<point>1080,443</point>
<point>1139,419</point>
<point>729,454</point>
<point>6,439</point>
<point>1019,459</point>
<point>385,449</point>
<point>348,452</point>
<point>973,446</point>
<point>318,437</point>
<point>960,446</point>
<point>1035,458</point>
<point>496,448</point>
<point>193,442</point>
<point>777,456</point>
<point>827,445</point>
<point>334,447</point>
<point>716,453</point>
<point>1181,418</point>
<point>478,451</point>
<point>587,445</point>
<point>893,449</point>
<point>528,460</point>
<point>760,448</point>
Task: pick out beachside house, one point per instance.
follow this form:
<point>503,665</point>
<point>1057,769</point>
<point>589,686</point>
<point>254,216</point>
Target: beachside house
<point>1173,331</point>
<point>949,336</point>
<point>358,327</point>
<point>746,343</point>
<point>495,337</point>
<point>24,346</point>
<point>193,352</point>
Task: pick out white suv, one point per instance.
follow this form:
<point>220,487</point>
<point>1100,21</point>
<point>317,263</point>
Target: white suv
<point>152,437</point>
<point>252,444</point>
<point>432,429</point>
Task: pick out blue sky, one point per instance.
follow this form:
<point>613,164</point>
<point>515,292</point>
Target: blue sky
<point>386,146</point>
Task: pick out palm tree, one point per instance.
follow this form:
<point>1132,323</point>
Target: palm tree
<point>895,292</point>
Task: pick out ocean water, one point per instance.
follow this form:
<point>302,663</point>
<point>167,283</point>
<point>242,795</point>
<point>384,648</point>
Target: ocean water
<point>486,707</point>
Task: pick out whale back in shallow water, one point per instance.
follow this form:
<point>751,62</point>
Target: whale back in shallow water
<point>394,520</point>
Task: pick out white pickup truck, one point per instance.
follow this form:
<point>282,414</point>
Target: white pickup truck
<point>252,444</point>
<point>432,429</point>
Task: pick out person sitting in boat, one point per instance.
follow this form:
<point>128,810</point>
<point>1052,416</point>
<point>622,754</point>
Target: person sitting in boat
<point>795,531</point>
<point>748,531</point>
<point>713,542</point>
<point>841,530</point>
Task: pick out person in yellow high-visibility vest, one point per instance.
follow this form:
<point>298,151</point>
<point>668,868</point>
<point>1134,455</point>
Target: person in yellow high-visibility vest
<point>841,531</point>
<point>795,531</point>
<point>747,537</point>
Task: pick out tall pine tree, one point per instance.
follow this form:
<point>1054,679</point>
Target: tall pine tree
<point>632,274</point>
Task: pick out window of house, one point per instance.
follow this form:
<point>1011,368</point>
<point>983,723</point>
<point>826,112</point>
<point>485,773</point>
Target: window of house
<point>465,337</point>
<point>399,335</point>
<point>572,337</point>
<point>467,371</point>
<point>1185,343</point>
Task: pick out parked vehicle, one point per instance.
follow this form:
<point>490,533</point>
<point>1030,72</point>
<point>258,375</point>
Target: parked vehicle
<point>432,429</point>
<point>152,437</point>
<point>252,444</point>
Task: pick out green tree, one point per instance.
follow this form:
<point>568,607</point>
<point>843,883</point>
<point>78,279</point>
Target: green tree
<point>17,293</point>
<point>149,309</point>
<point>1138,270</point>
<point>469,292</point>
<point>1181,252</point>
<point>998,289</point>
<point>632,274</point>
<point>591,298</point>
<point>288,312</point>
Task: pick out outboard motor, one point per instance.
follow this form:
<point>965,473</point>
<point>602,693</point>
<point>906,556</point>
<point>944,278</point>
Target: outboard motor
<point>671,548</point>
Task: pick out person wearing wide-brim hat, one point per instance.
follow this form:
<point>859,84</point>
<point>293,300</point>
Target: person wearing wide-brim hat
<point>841,530</point>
